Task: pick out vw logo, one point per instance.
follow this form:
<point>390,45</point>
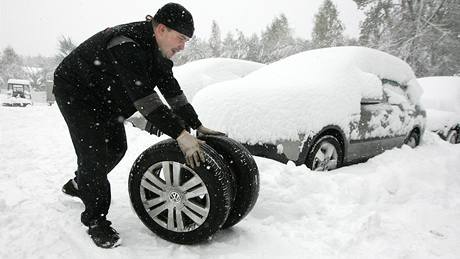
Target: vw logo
<point>174,196</point>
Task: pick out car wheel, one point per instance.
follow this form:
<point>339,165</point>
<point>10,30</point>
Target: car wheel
<point>413,140</point>
<point>326,154</point>
<point>452,137</point>
<point>246,174</point>
<point>178,203</point>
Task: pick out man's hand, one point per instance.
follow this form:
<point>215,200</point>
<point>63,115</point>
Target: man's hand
<point>202,130</point>
<point>190,146</point>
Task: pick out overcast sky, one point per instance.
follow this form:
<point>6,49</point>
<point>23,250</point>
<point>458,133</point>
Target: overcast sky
<point>33,27</point>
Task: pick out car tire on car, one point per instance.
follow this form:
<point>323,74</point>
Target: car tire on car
<point>452,137</point>
<point>245,172</point>
<point>325,154</point>
<point>178,203</point>
<point>413,140</point>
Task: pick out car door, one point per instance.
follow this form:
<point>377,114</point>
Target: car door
<point>378,125</point>
<point>396,96</point>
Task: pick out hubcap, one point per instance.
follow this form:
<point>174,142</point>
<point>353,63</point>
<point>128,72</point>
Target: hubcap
<point>412,142</point>
<point>174,196</point>
<point>325,158</point>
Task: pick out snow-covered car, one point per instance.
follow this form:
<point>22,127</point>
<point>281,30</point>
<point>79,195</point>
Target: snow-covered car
<point>441,98</point>
<point>18,93</point>
<point>196,75</point>
<point>324,108</point>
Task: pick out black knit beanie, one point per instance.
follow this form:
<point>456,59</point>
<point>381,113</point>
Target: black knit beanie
<point>176,17</point>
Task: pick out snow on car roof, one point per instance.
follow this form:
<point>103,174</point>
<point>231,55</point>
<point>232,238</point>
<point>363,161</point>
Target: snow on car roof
<point>301,94</point>
<point>19,81</point>
<point>441,92</point>
<point>196,75</point>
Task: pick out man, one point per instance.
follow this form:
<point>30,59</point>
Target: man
<point>105,80</point>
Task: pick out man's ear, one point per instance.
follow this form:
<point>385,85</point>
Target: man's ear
<point>160,29</point>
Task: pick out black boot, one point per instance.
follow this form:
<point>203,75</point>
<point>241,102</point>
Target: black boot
<point>71,189</point>
<point>103,234</point>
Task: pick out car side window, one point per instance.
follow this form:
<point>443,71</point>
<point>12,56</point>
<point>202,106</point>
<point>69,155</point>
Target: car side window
<point>373,100</point>
<point>394,92</point>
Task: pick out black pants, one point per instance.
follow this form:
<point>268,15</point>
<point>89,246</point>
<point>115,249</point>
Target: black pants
<point>99,140</point>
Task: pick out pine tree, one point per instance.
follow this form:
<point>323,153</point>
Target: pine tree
<point>215,41</point>
<point>254,48</point>
<point>10,66</point>
<point>229,46</point>
<point>423,33</point>
<point>376,25</point>
<point>241,47</point>
<point>195,49</point>
<point>328,29</point>
<point>276,40</point>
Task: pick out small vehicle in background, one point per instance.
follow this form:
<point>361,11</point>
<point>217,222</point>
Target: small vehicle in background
<point>441,98</point>
<point>18,93</point>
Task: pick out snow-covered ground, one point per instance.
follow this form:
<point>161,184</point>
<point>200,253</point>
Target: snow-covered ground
<point>402,204</point>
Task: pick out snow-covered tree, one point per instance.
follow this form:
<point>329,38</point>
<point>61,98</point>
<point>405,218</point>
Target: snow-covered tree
<point>241,48</point>
<point>424,33</point>
<point>65,46</point>
<point>215,41</point>
<point>254,48</point>
<point>10,66</point>
<point>276,40</point>
<point>376,25</point>
<point>229,46</point>
<point>34,75</point>
<point>328,29</point>
<point>195,49</point>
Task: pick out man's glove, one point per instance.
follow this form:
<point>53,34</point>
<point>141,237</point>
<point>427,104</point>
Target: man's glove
<point>190,146</point>
<point>202,130</point>
<point>152,129</point>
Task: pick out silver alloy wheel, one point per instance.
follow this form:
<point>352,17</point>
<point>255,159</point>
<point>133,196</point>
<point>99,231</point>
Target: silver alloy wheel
<point>326,157</point>
<point>174,196</point>
<point>412,142</point>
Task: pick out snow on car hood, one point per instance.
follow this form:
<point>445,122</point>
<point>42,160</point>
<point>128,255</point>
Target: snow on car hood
<point>438,120</point>
<point>441,93</point>
<point>301,94</point>
<point>196,75</point>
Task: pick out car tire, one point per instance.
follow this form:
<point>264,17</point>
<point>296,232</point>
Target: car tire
<point>452,137</point>
<point>246,174</point>
<point>325,154</point>
<point>189,207</point>
<point>413,140</point>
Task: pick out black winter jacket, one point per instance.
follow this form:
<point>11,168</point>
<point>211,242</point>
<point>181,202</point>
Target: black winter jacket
<point>119,68</point>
